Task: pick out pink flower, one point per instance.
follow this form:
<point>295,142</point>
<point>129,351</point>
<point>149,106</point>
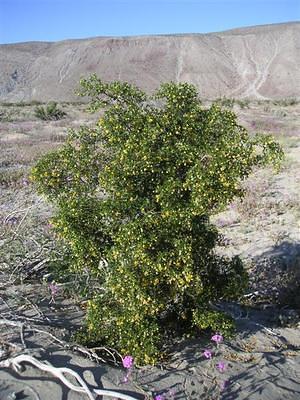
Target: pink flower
<point>170,394</point>
<point>127,376</point>
<point>221,366</point>
<point>53,289</point>
<point>207,354</point>
<point>223,385</point>
<point>127,362</point>
<point>217,338</point>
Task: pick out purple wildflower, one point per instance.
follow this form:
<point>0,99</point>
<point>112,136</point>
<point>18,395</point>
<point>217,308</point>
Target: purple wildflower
<point>171,394</point>
<point>207,354</point>
<point>53,289</point>
<point>221,366</point>
<point>217,338</point>
<point>127,361</point>
<point>126,377</point>
<point>223,385</point>
<point>159,397</point>
<point>11,221</point>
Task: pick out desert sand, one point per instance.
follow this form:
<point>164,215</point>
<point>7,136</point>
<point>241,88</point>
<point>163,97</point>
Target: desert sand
<point>261,362</point>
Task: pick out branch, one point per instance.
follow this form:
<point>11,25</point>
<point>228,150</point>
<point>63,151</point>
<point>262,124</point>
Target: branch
<point>59,373</point>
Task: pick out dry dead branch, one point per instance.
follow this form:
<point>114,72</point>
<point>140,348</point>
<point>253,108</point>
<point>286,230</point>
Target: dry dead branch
<point>59,373</point>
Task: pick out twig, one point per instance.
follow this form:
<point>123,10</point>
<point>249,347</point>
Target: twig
<point>91,353</point>
<point>268,330</point>
<point>17,212</point>
<point>39,312</point>
<point>59,373</point>
<point>251,294</point>
<point>20,223</point>
<point>21,325</point>
<point>22,336</point>
<point>111,352</point>
<point>88,352</point>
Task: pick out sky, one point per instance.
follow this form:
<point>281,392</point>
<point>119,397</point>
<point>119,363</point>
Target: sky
<point>52,20</point>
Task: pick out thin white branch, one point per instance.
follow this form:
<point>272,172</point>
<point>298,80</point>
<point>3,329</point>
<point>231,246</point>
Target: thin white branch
<point>59,373</point>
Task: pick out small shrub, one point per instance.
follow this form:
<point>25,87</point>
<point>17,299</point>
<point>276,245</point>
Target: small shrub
<point>6,104</point>
<point>280,113</point>
<point>134,195</point>
<point>243,103</point>
<point>12,177</point>
<point>6,116</point>
<point>49,112</point>
<point>225,102</point>
<point>286,102</point>
<point>20,104</point>
<point>263,102</point>
<point>35,103</point>
<point>253,200</point>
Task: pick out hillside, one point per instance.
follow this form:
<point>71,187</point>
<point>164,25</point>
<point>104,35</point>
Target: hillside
<point>260,62</point>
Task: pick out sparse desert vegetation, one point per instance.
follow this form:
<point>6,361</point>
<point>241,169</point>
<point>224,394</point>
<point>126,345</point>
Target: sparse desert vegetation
<point>263,229</point>
<point>49,112</point>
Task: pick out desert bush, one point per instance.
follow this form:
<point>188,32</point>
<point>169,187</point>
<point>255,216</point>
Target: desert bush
<point>253,201</point>
<point>243,103</point>
<point>6,116</point>
<point>280,113</point>
<point>225,102</point>
<point>6,104</point>
<point>49,112</point>
<point>12,177</point>
<point>290,101</point>
<point>20,104</point>
<point>134,195</point>
<point>34,103</point>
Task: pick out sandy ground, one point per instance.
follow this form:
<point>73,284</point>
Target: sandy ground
<point>261,362</point>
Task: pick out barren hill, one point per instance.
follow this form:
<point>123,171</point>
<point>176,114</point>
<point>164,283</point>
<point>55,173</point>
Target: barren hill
<point>257,62</point>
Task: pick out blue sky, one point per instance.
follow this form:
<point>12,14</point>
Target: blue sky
<point>51,20</point>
